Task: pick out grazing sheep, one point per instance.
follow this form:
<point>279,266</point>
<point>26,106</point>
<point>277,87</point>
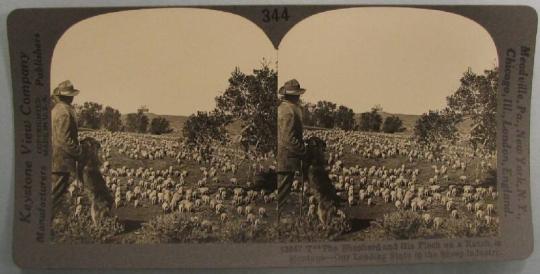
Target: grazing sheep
<point>479,214</point>
<point>165,207</point>
<point>262,212</point>
<point>478,206</point>
<point>219,208</point>
<point>449,206</point>
<point>248,209</point>
<point>351,200</point>
<point>251,218</point>
<point>427,218</point>
<point>437,222</point>
<point>398,204</point>
<point>369,202</point>
<point>78,210</point>
<point>223,217</point>
<point>414,206</point>
<point>489,209</point>
<point>117,202</point>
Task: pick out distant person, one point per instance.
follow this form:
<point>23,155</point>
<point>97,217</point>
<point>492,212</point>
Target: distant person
<point>291,148</point>
<point>65,144</point>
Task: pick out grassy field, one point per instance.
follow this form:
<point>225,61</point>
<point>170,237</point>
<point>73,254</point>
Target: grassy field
<point>148,223</point>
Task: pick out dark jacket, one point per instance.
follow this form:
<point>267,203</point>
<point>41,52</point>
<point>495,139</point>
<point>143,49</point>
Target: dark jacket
<point>65,144</point>
<point>290,137</point>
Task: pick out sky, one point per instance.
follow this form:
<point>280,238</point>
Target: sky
<point>407,60</point>
<point>176,61</point>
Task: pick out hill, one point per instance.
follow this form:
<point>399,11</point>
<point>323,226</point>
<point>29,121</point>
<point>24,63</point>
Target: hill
<point>408,119</point>
<point>176,121</point>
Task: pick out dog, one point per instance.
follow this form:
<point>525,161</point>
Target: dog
<point>88,168</point>
<point>314,169</point>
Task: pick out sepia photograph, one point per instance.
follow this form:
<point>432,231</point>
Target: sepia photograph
<point>363,124</point>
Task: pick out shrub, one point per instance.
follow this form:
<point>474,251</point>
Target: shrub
<point>175,228</point>
<point>392,124</point>
<point>402,224</point>
<point>68,228</point>
<point>159,125</point>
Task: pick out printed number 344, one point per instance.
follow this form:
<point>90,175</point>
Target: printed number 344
<point>275,14</point>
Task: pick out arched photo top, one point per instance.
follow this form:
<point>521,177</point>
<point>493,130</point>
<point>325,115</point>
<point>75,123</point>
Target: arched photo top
<point>405,59</point>
<point>174,60</point>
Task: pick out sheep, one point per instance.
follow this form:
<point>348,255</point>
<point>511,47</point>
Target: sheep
<point>398,204</point>
<point>219,208</point>
<point>479,214</point>
<point>449,205</point>
<point>437,222</point>
<point>414,206</point>
<point>78,210</point>
<point>478,206</point>
<point>223,217</point>
<point>117,202</point>
<point>427,218</point>
<point>248,209</point>
<point>262,212</point>
<point>489,209</point>
<point>351,200</point>
<point>165,207</point>
<point>251,218</point>
<point>454,214</point>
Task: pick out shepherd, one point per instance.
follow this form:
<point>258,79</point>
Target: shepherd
<point>290,150</point>
<point>65,144</point>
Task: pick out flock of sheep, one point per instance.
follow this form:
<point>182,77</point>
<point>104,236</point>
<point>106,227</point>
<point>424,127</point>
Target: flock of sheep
<point>212,183</point>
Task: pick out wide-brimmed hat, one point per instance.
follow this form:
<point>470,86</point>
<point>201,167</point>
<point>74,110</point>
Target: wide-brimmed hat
<point>291,87</point>
<point>65,89</point>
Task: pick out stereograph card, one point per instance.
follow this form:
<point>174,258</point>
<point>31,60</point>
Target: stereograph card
<point>271,136</point>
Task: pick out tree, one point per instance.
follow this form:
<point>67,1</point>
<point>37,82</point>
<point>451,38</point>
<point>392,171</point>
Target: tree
<point>307,113</point>
<point>159,125</point>
<point>344,118</point>
<point>137,122</point>
<point>324,114</point>
<point>204,127</point>
<point>371,121</point>
<point>392,124</point>
<point>476,98</point>
<point>111,119</point>
<point>252,99</point>
<point>89,115</point>
<point>436,126</point>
